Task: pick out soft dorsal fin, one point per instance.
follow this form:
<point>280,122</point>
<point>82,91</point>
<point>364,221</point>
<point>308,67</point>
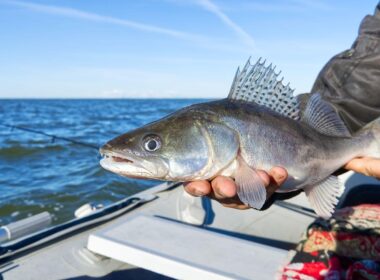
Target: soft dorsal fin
<point>321,116</point>
<point>261,84</point>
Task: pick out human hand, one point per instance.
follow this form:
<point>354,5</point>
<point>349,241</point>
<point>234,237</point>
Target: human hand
<point>223,189</point>
<point>365,165</point>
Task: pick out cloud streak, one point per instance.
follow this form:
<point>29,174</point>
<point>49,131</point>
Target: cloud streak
<point>199,40</point>
<point>214,9</point>
<point>78,14</point>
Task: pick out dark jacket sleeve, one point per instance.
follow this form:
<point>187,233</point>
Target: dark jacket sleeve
<point>350,81</point>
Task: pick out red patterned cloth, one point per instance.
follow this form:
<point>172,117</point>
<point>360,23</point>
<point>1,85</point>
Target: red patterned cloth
<point>346,246</point>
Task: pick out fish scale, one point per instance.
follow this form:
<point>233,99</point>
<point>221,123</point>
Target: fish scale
<point>258,126</point>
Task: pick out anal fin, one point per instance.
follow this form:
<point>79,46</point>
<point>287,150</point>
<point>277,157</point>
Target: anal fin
<point>250,187</point>
<point>323,197</point>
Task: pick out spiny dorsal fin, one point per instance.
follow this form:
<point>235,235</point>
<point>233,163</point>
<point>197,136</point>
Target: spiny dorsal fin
<point>321,116</point>
<point>261,84</point>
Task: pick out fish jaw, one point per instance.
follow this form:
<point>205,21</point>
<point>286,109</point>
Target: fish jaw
<point>130,166</point>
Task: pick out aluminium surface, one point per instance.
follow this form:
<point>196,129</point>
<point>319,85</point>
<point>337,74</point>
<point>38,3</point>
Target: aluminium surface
<point>76,263</point>
<point>185,252</point>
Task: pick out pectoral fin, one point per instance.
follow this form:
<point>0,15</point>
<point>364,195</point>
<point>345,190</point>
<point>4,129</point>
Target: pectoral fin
<point>250,187</point>
<point>324,196</point>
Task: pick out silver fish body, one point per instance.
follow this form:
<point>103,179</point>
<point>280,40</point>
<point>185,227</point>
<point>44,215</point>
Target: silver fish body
<point>236,137</point>
<point>267,139</point>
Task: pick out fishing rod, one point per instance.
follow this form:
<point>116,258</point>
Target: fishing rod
<point>52,136</point>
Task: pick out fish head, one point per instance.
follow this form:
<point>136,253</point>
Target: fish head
<point>174,148</point>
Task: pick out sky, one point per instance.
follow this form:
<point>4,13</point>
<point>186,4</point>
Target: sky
<point>165,48</point>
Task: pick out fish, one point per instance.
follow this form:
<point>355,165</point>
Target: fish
<point>258,126</point>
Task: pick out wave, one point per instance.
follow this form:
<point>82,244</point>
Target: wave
<point>40,175</point>
<point>22,151</point>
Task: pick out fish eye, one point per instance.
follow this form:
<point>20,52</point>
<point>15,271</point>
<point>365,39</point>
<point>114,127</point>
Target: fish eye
<point>152,143</point>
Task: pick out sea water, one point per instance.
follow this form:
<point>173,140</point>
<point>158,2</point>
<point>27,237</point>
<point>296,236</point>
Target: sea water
<point>39,173</point>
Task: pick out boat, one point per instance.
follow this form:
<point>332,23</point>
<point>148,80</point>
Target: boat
<point>160,233</point>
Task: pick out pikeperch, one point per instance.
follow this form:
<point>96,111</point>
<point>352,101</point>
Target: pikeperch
<point>257,127</point>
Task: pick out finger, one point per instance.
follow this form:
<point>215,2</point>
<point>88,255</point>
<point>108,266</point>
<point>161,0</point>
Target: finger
<point>236,204</point>
<point>264,177</point>
<point>366,166</point>
<point>223,187</point>
<point>279,175</point>
<point>230,202</point>
<point>225,192</point>
<point>273,179</point>
<point>198,188</point>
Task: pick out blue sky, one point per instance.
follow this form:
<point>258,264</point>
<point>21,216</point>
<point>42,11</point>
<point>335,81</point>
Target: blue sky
<point>165,48</point>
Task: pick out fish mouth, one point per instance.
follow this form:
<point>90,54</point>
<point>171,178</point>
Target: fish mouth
<point>128,165</point>
<point>119,159</point>
<point>122,164</point>
<point>116,157</point>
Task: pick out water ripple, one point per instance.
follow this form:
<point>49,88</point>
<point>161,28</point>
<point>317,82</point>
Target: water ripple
<point>38,174</point>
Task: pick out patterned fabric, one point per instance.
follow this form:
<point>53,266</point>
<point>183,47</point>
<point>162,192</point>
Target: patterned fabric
<point>346,246</point>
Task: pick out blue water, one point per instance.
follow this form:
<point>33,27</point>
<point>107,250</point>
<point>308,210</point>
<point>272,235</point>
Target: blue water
<point>38,174</point>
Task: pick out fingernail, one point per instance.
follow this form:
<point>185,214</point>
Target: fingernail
<point>222,193</point>
<point>278,177</point>
<point>199,193</point>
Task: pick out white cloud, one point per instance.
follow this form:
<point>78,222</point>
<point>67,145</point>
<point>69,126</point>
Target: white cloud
<point>113,93</point>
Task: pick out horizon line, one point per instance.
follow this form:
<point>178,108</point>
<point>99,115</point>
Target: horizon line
<point>102,98</point>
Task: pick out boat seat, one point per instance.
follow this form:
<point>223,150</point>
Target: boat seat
<point>183,251</point>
